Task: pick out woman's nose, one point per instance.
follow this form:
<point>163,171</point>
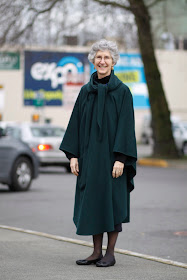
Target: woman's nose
<point>102,60</point>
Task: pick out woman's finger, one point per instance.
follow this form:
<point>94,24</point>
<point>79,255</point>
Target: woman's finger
<point>74,166</point>
<point>117,172</point>
<point>73,170</point>
<point>113,173</point>
<point>77,167</point>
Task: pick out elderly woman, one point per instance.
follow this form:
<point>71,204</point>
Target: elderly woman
<point>100,143</point>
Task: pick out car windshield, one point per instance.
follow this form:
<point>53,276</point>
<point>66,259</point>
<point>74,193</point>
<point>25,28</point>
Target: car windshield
<point>13,131</point>
<point>47,131</point>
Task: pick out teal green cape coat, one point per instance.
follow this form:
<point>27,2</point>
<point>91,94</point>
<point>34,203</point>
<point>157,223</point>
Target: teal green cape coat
<point>102,123</point>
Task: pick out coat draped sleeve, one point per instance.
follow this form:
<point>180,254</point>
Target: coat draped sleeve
<point>125,140</point>
<point>70,141</point>
<point>120,157</point>
<point>69,156</point>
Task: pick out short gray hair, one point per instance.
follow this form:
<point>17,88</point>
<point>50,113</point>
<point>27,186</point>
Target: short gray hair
<point>104,45</point>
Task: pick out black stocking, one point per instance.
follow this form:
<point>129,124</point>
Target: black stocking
<point>97,241</point>
<point>112,238</point>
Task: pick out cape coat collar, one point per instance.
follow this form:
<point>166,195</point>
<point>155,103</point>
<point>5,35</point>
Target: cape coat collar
<point>114,83</point>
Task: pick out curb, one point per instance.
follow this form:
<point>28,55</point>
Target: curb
<point>153,162</point>
<point>89,244</point>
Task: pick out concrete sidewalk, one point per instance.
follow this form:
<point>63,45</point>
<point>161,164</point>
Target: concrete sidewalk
<point>26,256</point>
<point>171,163</point>
<point>145,159</point>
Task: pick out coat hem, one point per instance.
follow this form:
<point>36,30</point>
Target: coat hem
<point>94,233</point>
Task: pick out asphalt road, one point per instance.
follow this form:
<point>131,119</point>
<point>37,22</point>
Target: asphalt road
<point>158,210</point>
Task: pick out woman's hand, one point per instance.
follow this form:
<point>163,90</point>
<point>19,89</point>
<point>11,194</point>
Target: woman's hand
<point>117,169</point>
<point>74,166</point>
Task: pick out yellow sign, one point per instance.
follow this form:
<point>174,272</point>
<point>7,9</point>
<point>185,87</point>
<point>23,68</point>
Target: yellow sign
<point>48,95</point>
<point>129,76</point>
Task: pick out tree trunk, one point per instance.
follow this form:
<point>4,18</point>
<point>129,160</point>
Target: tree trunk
<point>164,145</point>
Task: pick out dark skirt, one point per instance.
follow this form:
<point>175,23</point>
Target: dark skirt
<point>118,227</point>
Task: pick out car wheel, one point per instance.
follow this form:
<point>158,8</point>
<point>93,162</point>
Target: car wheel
<point>144,139</point>
<point>21,175</point>
<point>185,149</point>
<point>68,168</point>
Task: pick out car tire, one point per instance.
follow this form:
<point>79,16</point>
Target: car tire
<point>184,149</point>
<point>21,175</point>
<point>144,139</point>
<point>68,168</point>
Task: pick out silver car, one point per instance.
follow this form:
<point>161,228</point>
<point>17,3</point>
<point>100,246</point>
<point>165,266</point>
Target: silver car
<point>44,140</point>
<point>18,164</point>
<point>180,136</point>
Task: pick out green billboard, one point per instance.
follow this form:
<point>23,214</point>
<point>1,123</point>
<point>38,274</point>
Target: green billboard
<point>9,60</point>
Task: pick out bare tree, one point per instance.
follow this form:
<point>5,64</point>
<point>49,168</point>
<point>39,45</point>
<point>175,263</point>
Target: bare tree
<point>164,145</point>
<point>46,22</point>
<point>20,18</point>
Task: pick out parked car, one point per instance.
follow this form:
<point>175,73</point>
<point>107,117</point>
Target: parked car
<point>44,140</point>
<point>18,163</point>
<point>179,129</point>
<point>146,131</point>
<point>180,136</point>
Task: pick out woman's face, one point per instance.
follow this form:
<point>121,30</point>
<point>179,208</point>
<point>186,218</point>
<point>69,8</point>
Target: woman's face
<point>103,63</point>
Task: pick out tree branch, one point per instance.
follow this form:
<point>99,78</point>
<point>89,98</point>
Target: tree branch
<point>45,10</point>
<point>154,3</point>
<point>113,3</point>
<point>4,37</point>
<point>21,32</point>
<point>28,26</point>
